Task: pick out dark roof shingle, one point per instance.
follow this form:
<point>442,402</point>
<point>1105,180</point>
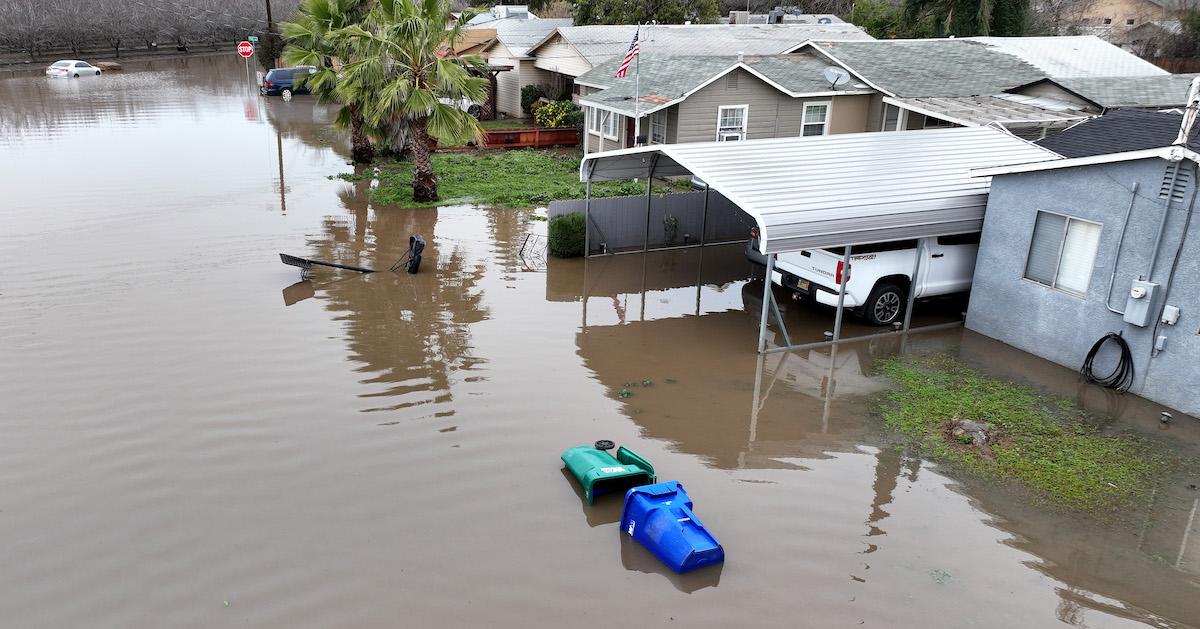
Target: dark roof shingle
<point>1119,131</point>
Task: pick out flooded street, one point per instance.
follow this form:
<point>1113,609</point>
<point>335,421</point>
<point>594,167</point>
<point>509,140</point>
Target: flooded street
<point>192,436</point>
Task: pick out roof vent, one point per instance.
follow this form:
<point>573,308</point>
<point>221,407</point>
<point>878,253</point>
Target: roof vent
<point>1176,180</point>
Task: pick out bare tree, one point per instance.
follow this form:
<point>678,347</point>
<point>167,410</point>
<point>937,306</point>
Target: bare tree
<point>1058,17</point>
<point>25,26</point>
<point>32,27</point>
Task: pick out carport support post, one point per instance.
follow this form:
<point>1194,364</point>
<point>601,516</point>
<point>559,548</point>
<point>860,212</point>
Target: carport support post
<point>587,217</point>
<point>704,217</point>
<point>841,309</point>
<point>649,187</point>
<point>766,304</point>
<point>912,286</point>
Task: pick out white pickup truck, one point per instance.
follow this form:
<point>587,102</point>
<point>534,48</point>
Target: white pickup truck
<point>880,273</point>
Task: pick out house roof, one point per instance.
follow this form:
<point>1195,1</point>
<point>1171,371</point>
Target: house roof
<point>501,13</point>
<point>598,43</point>
<point>520,35</point>
<point>1169,153</point>
<point>667,79</point>
<point>1120,131</point>
<point>981,66</point>
<point>933,67</point>
<point>1165,90</point>
<point>832,190</point>
<point>1006,109</point>
<point>1078,56</point>
<point>472,41</point>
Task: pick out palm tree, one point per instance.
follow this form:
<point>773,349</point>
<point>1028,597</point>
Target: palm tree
<point>310,43</point>
<point>402,79</point>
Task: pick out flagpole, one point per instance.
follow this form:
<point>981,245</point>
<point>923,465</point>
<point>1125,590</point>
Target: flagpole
<point>637,121</point>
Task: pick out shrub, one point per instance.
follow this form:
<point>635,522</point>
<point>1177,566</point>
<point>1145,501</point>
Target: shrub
<point>561,114</point>
<point>566,234</point>
<point>529,95</point>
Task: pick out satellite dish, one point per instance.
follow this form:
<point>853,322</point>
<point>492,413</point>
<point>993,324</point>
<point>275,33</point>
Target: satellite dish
<point>824,20</point>
<point>836,76</point>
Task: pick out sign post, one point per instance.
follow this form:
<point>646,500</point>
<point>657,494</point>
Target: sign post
<point>246,50</point>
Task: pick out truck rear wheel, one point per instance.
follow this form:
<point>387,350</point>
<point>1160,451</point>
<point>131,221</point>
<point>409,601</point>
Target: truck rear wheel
<point>885,305</point>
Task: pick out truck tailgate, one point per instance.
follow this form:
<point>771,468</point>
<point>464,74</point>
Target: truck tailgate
<point>816,265</point>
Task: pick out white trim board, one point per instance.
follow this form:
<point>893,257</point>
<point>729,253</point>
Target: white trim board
<point>1169,153</point>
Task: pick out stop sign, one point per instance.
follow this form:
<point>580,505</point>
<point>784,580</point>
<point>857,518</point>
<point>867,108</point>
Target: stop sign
<point>245,49</point>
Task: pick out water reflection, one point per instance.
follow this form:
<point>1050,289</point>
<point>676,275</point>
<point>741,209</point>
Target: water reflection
<point>38,107</point>
<point>159,400</point>
<point>695,382</point>
<point>411,332</point>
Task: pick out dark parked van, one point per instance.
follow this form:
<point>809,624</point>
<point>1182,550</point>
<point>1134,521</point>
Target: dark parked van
<point>282,81</point>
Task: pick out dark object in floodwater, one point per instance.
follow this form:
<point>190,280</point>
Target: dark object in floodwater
<point>660,518</point>
<point>411,260</point>
<point>306,264</point>
<point>599,472</point>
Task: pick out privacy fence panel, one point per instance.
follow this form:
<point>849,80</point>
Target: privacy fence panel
<point>619,223</point>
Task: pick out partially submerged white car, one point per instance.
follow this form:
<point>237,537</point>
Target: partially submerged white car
<point>880,273</point>
<point>71,68</point>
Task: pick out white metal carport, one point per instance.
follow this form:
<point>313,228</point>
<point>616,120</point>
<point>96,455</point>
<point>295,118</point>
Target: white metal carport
<point>834,190</point>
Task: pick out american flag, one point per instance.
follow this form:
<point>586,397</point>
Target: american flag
<point>629,55</point>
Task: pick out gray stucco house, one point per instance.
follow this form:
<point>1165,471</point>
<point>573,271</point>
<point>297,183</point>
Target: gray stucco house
<point>1071,251</point>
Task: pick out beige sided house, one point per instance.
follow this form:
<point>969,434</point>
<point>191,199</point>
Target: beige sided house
<point>1116,17</point>
<point>701,99</point>
<point>569,52</point>
<point>510,48</point>
<point>893,85</point>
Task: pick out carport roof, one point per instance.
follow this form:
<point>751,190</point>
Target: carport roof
<point>855,188</point>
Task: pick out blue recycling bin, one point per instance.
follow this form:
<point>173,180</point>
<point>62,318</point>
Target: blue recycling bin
<point>660,518</point>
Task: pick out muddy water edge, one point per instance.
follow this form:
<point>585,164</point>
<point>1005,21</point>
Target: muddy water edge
<point>193,436</point>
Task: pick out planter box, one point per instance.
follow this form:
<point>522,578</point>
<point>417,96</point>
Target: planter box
<point>532,137</point>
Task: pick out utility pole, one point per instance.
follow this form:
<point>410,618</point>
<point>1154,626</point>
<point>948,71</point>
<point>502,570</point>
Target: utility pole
<point>271,36</point>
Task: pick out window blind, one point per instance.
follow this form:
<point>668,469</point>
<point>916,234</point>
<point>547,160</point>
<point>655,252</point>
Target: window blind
<point>1044,248</point>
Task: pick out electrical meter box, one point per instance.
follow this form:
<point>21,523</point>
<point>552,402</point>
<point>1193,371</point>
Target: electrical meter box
<point>1143,303</point>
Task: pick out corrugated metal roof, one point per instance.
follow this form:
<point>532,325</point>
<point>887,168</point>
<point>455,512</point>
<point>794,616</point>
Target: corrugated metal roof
<point>1004,109</point>
<point>600,42</point>
<point>1078,56</point>
<point>832,190</point>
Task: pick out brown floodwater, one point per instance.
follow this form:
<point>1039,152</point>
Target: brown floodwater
<point>193,436</point>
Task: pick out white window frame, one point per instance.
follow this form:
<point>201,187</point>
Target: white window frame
<point>1053,285</point>
<point>601,121</point>
<point>827,104</point>
<point>593,121</point>
<point>901,118</point>
<point>658,120</point>
<point>743,134</point>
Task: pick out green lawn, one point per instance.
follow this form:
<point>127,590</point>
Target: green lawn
<point>1043,442</point>
<point>515,178</point>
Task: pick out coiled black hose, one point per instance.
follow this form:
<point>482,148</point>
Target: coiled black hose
<point>1122,375</point>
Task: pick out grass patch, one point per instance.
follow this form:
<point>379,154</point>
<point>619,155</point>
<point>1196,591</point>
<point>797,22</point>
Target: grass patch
<point>1043,442</point>
<point>517,178</point>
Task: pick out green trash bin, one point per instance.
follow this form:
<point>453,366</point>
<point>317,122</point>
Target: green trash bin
<point>599,472</point>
